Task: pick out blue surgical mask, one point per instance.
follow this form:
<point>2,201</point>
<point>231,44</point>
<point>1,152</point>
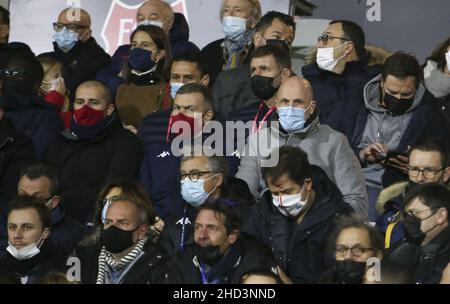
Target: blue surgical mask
<point>234,27</point>
<point>291,118</point>
<point>174,87</point>
<point>65,39</point>
<point>194,192</point>
<point>141,60</point>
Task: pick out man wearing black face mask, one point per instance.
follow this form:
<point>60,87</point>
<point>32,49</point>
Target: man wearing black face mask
<point>427,163</point>
<point>399,112</point>
<point>220,254</point>
<point>270,65</point>
<point>233,88</point>
<point>125,251</point>
<point>426,248</point>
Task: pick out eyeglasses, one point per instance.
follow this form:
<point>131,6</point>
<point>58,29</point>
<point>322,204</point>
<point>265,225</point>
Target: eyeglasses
<point>414,213</point>
<point>427,172</point>
<point>71,27</point>
<point>325,37</point>
<point>194,176</point>
<point>356,251</point>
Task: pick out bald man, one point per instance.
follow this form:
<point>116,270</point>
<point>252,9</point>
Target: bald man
<point>95,149</point>
<point>158,13</point>
<point>76,49</point>
<point>299,126</point>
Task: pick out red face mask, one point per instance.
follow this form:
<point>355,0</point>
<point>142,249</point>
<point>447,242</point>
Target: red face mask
<point>195,125</point>
<point>87,116</point>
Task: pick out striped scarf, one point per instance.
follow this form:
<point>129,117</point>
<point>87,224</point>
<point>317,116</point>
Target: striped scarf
<point>106,261</point>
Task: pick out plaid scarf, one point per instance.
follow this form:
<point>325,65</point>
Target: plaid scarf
<point>106,262</point>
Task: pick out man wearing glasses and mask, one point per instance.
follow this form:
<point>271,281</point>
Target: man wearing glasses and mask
<point>426,248</point>
<point>75,47</point>
<point>339,74</point>
<point>202,179</point>
<point>428,162</point>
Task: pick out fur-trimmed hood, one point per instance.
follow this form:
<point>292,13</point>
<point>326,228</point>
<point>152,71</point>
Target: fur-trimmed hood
<point>389,194</point>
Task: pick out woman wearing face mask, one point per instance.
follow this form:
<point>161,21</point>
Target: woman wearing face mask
<point>145,90</point>
<point>356,246</point>
<point>296,212</point>
<point>29,255</point>
<point>239,18</point>
<point>437,75</point>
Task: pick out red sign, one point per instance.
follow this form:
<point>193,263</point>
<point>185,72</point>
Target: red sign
<point>121,21</point>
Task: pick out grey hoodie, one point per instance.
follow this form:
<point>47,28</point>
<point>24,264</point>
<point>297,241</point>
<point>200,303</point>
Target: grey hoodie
<point>325,147</point>
<point>382,127</point>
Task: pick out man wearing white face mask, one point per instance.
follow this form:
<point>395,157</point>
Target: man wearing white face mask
<point>339,74</point>
<point>300,127</point>
<point>296,214</point>
<point>203,178</point>
<point>76,49</point>
<point>29,256</point>
<point>239,18</point>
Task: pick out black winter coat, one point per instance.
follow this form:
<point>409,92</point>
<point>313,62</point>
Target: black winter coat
<point>149,269</point>
<point>182,269</point>
<point>34,118</point>
<point>339,97</point>
<point>33,270</point>
<point>66,233</point>
<point>16,152</point>
<point>83,166</point>
<point>428,261</point>
<point>299,249</point>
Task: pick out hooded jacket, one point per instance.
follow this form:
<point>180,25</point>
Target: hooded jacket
<point>423,119</point>
<point>326,148</point>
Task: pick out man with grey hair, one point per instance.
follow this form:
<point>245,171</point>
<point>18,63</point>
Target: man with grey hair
<point>204,178</point>
<point>239,18</point>
<point>154,12</point>
<point>125,252</point>
<point>192,114</point>
<point>299,126</point>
